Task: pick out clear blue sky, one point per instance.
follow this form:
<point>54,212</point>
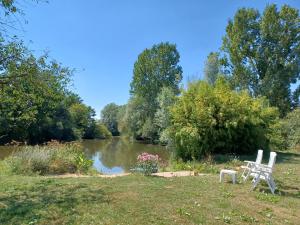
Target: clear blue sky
<point>102,39</point>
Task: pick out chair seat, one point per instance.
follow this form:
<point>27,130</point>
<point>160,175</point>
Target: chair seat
<point>228,171</point>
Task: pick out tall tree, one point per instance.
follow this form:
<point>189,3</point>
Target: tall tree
<point>109,117</point>
<point>212,68</point>
<point>154,69</point>
<point>262,53</point>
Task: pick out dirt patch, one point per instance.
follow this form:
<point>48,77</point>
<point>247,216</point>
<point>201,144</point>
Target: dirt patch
<point>160,174</point>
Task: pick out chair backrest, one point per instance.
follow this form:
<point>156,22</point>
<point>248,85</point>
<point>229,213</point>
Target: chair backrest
<point>259,156</point>
<point>272,159</point>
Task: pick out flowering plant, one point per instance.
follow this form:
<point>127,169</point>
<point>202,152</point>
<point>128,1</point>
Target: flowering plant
<point>147,163</point>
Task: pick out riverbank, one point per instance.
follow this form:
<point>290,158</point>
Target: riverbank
<point>136,199</point>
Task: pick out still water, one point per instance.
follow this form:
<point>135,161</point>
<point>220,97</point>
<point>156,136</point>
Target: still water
<point>117,155</point>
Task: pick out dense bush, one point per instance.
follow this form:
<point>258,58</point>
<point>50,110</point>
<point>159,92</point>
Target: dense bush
<point>98,131</point>
<point>291,130</point>
<point>53,158</point>
<point>214,119</point>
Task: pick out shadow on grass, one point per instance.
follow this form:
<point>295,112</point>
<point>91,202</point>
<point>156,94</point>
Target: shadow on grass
<point>282,189</point>
<point>30,204</point>
<point>288,157</point>
<point>288,190</point>
<point>282,157</point>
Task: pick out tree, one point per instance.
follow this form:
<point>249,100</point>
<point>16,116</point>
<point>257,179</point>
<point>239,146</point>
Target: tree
<point>155,69</point>
<point>210,119</point>
<point>27,100</point>
<point>36,105</point>
<point>121,118</point>
<point>262,53</point>
<point>81,118</point>
<point>97,130</point>
<point>212,68</point>
<point>9,8</point>
<point>291,130</point>
<point>109,117</point>
<point>134,117</point>
<point>162,120</point>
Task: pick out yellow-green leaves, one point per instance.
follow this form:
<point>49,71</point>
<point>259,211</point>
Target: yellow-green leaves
<point>208,119</point>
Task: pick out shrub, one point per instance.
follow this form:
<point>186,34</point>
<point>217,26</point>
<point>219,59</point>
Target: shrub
<point>291,130</point>
<point>215,119</point>
<point>52,158</point>
<point>102,132</point>
<point>147,163</point>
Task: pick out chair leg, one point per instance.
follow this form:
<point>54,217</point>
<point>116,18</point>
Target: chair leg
<point>256,181</point>
<point>269,182</point>
<point>248,172</point>
<point>273,182</point>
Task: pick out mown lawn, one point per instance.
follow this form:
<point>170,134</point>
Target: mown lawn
<point>149,200</point>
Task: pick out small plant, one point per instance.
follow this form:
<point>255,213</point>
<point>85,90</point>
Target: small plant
<point>147,163</point>
<point>83,164</point>
<point>268,197</point>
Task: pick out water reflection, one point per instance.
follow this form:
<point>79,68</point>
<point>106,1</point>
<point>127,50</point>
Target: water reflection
<point>118,154</point>
<point>113,156</point>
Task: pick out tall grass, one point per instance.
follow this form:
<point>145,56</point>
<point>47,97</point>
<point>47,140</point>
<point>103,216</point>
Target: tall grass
<point>52,158</point>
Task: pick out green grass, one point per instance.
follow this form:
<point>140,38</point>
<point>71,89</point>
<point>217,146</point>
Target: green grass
<point>149,200</point>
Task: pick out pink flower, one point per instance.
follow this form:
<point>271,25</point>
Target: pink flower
<point>147,157</point>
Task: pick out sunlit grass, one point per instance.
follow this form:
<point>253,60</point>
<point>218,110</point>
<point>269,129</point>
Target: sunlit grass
<point>150,200</point>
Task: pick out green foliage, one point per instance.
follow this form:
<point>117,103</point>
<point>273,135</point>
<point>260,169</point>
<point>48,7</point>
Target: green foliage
<point>121,118</point>
<point>166,98</point>
<point>212,69</point>
<point>134,117</point>
<point>36,105</point>
<point>109,117</point>
<point>214,119</point>
<point>291,130</point>
<point>83,164</point>
<point>149,130</point>
<point>102,131</point>
<point>53,158</point>
<point>8,6</point>
<point>156,68</point>
<point>262,54</point>
<point>97,130</point>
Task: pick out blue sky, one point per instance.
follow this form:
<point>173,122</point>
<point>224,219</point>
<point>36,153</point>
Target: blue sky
<point>102,39</point>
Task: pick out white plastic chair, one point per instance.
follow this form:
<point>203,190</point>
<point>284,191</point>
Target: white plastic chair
<point>251,165</point>
<point>264,172</point>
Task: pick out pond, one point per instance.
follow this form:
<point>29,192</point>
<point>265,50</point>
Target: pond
<point>118,155</point>
<point>113,156</point>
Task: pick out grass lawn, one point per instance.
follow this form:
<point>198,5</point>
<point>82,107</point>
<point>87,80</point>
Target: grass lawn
<point>149,200</point>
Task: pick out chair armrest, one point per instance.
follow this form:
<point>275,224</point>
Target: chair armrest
<point>264,168</point>
<point>250,162</point>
